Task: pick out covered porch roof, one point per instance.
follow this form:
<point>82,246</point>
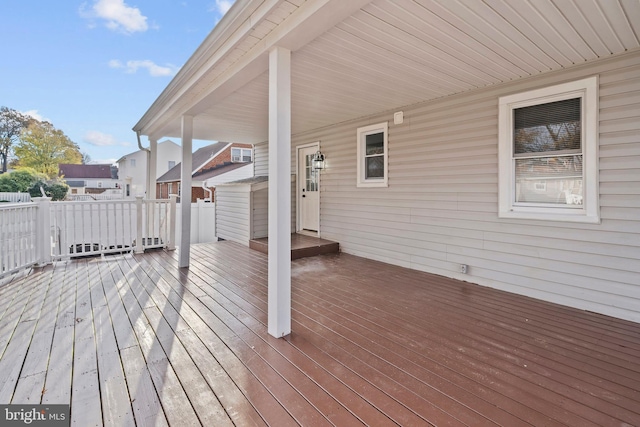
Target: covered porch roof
<point>357,58</point>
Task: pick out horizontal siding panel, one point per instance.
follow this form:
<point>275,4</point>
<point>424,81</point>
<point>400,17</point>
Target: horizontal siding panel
<point>624,252</point>
<point>621,213</point>
<point>620,125</point>
<point>628,137</point>
<point>620,151</point>
<point>626,201</point>
<point>623,162</point>
<point>622,175</point>
<point>531,286</point>
<point>622,112</point>
<point>619,99</point>
<point>629,188</point>
<point>590,283</point>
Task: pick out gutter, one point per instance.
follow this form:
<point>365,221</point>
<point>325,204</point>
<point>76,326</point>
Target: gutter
<point>140,144</point>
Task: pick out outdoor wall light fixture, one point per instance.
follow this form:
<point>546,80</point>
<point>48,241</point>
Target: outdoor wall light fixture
<point>318,160</point>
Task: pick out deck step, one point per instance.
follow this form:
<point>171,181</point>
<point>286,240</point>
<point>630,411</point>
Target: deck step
<point>301,246</point>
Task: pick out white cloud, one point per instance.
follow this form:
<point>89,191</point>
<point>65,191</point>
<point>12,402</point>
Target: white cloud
<point>100,139</point>
<point>118,16</point>
<point>222,6</point>
<point>35,115</point>
<point>154,69</point>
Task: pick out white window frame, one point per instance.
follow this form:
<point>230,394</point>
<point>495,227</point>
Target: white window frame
<point>362,133</point>
<point>171,164</point>
<point>132,163</point>
<point>243,152</point>
<point>589,211</point>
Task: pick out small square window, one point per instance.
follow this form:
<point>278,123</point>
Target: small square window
<point>548,153</point>
<point>172,164</point>
<point>132,163</point>
<point>373,156</point>
<point>241,155</point>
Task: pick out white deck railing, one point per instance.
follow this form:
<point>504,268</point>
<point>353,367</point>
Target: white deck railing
<point>111,226</point>
<point>15,197</point>
<point>18,236</point>
<point>41,232</point>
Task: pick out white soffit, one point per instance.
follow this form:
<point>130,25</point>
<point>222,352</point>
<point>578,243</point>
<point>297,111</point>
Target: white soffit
<point>394,53</point>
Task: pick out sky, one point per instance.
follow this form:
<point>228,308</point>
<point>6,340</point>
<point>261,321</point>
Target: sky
<point>92,68</point>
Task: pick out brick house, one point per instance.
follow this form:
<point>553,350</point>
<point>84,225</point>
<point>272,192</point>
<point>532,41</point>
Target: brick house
<point>214,160</point>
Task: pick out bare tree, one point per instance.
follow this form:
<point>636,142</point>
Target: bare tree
<point>11,124</point>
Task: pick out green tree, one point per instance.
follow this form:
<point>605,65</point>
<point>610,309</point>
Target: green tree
<point>43,147</point>
<point>11,125</point>
<point>20,180</point>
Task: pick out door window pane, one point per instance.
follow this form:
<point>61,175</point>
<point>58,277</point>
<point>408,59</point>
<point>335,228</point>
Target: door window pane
<point>311,175</point>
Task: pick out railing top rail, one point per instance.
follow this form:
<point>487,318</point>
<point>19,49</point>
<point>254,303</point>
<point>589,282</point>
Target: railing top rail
<point>17,205</point>
<point>100,202</point>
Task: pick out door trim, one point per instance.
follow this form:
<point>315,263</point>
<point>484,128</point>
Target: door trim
<point>298,226</point>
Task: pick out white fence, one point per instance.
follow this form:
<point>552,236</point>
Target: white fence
<point>110,226</point>
<point>203,222</point>
<point>44,231</point>
<point>15,197</point>
<point>18,236</point>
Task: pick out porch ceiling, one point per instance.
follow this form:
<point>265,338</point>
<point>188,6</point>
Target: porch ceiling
<point>393,53</point>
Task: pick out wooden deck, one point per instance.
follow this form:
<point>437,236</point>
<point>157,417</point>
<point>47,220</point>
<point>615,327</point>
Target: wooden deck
<point>133,340</point>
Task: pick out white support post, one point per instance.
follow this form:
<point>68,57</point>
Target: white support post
<point>152,168</point>
<point>172,222</point>
<point>43,231</point>
<point>185,196</point>
<point>139,231</point>
<point>279,292</point>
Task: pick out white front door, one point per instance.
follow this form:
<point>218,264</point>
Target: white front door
<point>308,190</point>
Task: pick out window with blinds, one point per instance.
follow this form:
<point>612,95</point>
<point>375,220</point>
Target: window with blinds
<point>548,165</point>
<point>547,147</point>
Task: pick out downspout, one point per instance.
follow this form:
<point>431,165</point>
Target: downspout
<point>209,191</point>
<point>148,151</point>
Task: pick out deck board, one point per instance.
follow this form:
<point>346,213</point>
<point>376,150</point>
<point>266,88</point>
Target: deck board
<point>134,340</point>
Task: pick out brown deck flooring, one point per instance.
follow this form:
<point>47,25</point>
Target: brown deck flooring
<point>301,246</point>
<point>133,340</point>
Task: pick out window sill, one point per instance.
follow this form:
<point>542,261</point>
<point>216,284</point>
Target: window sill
<point>378,184</point>
<point>563,215</point>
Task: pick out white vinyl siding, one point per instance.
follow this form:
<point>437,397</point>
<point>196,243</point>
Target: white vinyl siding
<point>441,209</point>
<point>261,159</point>
<point>233,213</point>
<point>260,208</point>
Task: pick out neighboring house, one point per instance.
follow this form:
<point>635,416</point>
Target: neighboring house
<point>133,167</point>
<point>447,130</point>
<point>214,164</point>
<point>89,179</point>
